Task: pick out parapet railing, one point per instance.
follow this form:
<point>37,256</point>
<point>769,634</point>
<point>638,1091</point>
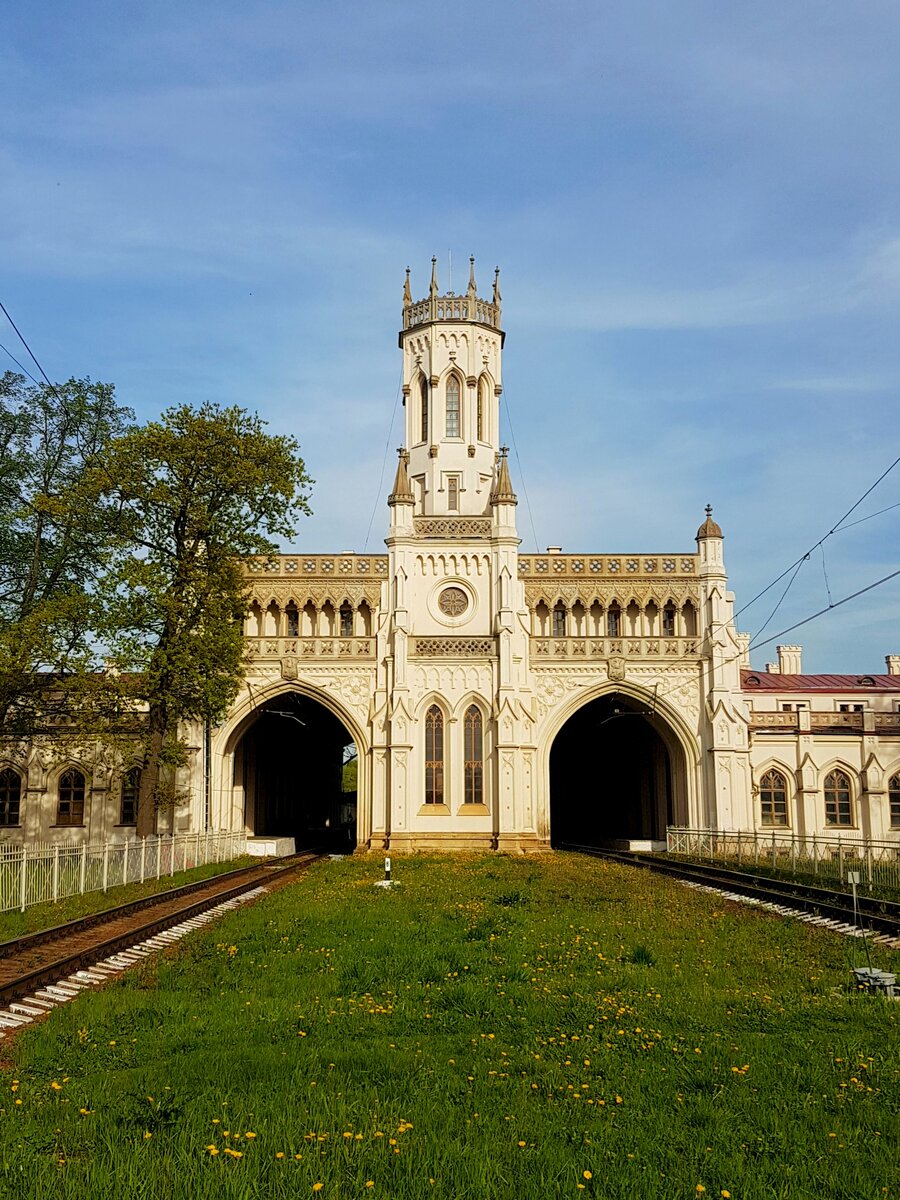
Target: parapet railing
<point>588,646</point>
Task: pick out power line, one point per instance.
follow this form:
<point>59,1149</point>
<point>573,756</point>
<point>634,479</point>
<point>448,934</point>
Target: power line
<point>18,364</point>
<point>31,353</point>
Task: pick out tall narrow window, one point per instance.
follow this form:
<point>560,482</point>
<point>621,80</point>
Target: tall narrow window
<point>70,809</point>
<point>473,736</point>
<point>292,620</point>
<point>668,620</point>
<point>10,796</point>
<point>559,620</point>
<point>613,620</point>
<point>453,494</point>
<point>434,756</point>
<point>479,410</point>
<point>894,797</point>
<point>773,798</point>
<point>838,799</point>
<point>453,407</point>
<point>346,620</point>
<point>131,785</point>
<point>423,409</point>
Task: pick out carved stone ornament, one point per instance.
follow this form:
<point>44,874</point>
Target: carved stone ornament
<point>453,647</point>
<point>453,602</point>
<point>616,668</point>
<point>289,668</point>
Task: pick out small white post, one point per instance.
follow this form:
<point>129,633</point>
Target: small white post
<point>158,856</point>
<point>23,886</point>
<point>387,870</point>
<point>143,859</point>
<point>82,869</point>
<point>55,873</point>
<point>105,864</point>
<point>125,863</point>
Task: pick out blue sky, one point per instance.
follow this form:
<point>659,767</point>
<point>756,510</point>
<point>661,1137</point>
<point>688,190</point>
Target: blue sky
<point>695,206</point>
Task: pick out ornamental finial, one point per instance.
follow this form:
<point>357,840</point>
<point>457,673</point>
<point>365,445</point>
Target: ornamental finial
<point>407,293</point>
<point>433,290</point>
<point>497,296</point>
<point>471,291</point>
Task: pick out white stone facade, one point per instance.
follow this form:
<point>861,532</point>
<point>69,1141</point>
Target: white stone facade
<point>507,700</point>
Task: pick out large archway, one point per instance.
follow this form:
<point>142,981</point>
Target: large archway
<point>617,775</point>
<point>295,764</point>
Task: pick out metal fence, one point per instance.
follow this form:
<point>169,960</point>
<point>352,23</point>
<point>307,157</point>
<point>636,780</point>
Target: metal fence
<point>36,874</point>
<point>829,857</point>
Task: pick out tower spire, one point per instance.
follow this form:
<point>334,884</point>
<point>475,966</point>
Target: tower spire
<point>401,492</point>
<point>433,290</point>
<point>503,491</point>
<point>407,293</point>
<point>471,289</point>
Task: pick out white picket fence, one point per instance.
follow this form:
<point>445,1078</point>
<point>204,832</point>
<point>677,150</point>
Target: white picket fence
<point>36,874</point>
<point>828,856</point>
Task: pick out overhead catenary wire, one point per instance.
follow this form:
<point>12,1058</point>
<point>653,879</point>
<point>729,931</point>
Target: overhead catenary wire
<point>21,366</point>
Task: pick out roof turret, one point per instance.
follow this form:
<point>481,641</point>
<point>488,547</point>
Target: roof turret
<point>709,528</point>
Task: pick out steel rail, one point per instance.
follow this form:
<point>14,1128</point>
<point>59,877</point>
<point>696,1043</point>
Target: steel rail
<point>46,973</point>
<point>881,915</point>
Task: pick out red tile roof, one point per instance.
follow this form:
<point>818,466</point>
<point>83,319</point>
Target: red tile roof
<point>763,681</point>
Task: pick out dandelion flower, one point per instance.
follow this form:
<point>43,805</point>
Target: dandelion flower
<point>317,1187</point>
<point>521,1143</point>
<point>250,1134</point>
<point>279,1154</point>
<point>370,1183</point>
<point>147,1135</point>
<point>699,1189</point>
<point>587,1175</point>
<point>213,1149</point>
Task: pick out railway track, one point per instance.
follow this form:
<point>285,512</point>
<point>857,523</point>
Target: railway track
<point>821,906</point>
<point>40,970</point>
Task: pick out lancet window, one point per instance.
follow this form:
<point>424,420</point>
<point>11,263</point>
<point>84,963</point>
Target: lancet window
<point>773,798</point>
<point>423,408</point>
<point>614,620</point>
<point>894,799</point>
<point>453,494</point>
<point>668,620</point>
<point>346,615</point>
<point>434,756</point>
<point>838,799</point>
<point>70,806</point>
<point>453,428</point>
<point>129,800</point>
<point>480,405</point>
<point>559,620</point>
<point>292,620</point>
<point>10,796</point>
<point>473,751</point>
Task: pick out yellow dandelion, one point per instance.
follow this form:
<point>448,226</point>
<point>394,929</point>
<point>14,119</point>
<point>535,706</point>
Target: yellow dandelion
<point>699,1189</point>
<point>587,1175</point>
<point>147,1135</point>
<point>726,1194</point>
<point>57,1087</point>
<point>213,1149</point>
<point>279,1154</point>
<point>370,1183</point>
<point>317,1187</point>
<point>249,1134</point>
<point>521,1143</point>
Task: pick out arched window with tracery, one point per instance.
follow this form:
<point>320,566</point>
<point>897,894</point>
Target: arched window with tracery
<point>292,620</point>
<point>894,799</point>
<point>10,796</point>
<point>773,798</point>
<point>473,751</point>
<point>434,756</point>
<point>614,620</point>
<point>131,785</point>
<point>559,620</point>
<point>838,799</point>
<point>423,408</point>
<point>452,414</point>
<point>70,805</point>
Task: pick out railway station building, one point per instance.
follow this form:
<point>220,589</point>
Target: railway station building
<point>496,698</point>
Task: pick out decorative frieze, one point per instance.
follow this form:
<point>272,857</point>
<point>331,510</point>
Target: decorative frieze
<point>638,647</point>
<point>453,647</point>
<point>327,565</point>
<point>452,527</point>
<point>614,566</point>
<point>293,648</point>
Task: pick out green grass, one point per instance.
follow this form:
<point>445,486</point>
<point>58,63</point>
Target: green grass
<point>43,916</point>
<point>831,882</point>
<point>491,1029</point>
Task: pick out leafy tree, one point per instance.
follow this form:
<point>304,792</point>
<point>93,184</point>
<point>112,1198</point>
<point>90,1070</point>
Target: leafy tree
<point>55,543</point>
<point>201,490</point>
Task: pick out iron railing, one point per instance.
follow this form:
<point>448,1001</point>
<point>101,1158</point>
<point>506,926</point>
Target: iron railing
<point>38,874</point>
<point>827,856</point>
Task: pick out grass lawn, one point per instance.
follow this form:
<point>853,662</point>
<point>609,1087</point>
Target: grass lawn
<point>43,916</point>
<point>491,1029</point>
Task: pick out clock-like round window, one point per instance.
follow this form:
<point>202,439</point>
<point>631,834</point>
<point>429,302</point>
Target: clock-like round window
<point>453,602</point>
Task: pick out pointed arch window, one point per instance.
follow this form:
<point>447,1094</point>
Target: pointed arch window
<point>614,620</point>
<point>292,620</point>
<point>894,799</point>
<point>131,785</point>
<point>838,799</point>
<point>773,798</point>
<point>423,408</point>
<point>473,750</point>
<point>10,796</point>
<point>70,805</point>
<point>480,406</point>
<point>346,615</point>
<point>434,756</point>
<point>559,620</point>
<point>453,425</point>
<point>668,620</point>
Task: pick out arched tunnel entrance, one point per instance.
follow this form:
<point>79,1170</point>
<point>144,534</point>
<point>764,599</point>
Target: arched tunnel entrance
<point>296,764</point>
<point>616,775</point>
